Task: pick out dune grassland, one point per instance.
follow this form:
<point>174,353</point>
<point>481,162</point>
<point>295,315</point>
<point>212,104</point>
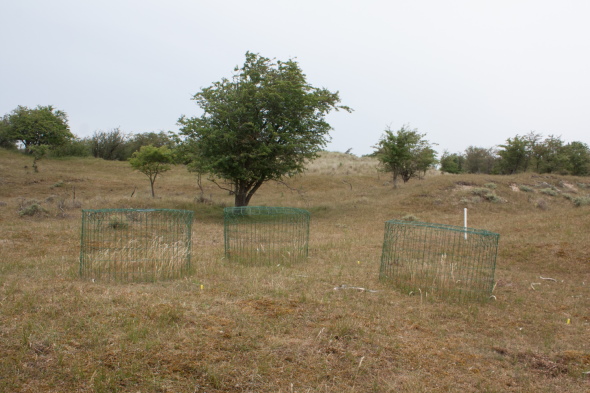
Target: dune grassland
<point>234,328</point>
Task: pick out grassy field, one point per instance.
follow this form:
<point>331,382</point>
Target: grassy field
<point>234,328</point>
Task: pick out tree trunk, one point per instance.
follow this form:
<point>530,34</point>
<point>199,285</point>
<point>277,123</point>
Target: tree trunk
<point>241,199</point>
<point>245,191</point>
<point>152,181</point>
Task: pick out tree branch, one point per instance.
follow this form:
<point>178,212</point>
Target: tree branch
<point>231,191</point>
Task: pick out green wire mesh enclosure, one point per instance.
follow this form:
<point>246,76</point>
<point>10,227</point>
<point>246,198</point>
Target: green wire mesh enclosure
<point>259,235</point>
<point>442,260</point>
<point>127,245</point>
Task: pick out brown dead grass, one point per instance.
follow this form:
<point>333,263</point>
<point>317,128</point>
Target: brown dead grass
<point>233,328</point>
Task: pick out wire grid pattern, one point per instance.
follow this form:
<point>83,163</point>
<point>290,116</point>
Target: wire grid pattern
<point>260,235</point>
<point>450,262</point>
<point>135,245</point>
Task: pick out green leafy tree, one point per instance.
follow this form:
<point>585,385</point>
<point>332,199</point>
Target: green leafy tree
<point>109,145</point>
<point>550,156</point>
<point>157,139</point>
<point>479,160</point>
<point>452,163</point>
<point>536,149</point>
<point>405,153</point>
<point>578,158</point>
<point>43,125</point>
<point>514,155</point>
<point>262,124</point>
<point>6,140</point>
<point>426,160</point>
<point>152,161</point>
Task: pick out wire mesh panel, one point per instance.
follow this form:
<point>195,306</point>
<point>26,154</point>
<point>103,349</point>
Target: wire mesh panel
<point>135,244</point>
<point>260,235</point>
<point>442,260</point>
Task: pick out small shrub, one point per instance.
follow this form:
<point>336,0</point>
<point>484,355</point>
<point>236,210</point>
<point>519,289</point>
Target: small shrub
<point>569,197</point>
<point>479,191</point>
<point>549,191</point>
<point>409,217</point>
<point>491,186</point>
<point>524,188</point>
<point>58,184</point>
<point>487,195</point>
<point>495,198</point>
<point>581,201</point>
<point>33,210</point>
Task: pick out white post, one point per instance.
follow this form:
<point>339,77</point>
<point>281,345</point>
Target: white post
<point>465,221</point>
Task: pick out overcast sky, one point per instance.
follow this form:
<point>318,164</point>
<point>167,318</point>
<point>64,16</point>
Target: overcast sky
<point>464,72</point>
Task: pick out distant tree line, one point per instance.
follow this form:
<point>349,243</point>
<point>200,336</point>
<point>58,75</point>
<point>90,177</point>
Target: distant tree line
<point>45,129</point>
<point>112,145</point>
<point>115,145</point>
<point>528,153</point>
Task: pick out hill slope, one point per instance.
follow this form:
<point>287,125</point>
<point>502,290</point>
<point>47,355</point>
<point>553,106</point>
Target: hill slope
<point>229,327</point>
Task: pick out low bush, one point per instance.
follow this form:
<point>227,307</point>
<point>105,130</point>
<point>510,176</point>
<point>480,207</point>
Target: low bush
<point>33,210</point>
<point>549,191</point>
<point>524,188</point>
<point>487,195</point>
<point>581,201</point>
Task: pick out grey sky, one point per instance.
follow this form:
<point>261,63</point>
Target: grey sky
<point>469,72</point>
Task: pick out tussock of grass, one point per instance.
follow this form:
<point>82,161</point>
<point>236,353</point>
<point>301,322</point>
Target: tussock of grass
<point>137,260</point>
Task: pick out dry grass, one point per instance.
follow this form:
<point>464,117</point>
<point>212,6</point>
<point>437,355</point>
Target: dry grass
<point>234,328</point>
<point>135,260</point>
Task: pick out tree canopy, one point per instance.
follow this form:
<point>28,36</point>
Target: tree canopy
<point>578,158</point>
<point>262,124</point>
<point>405,153</point>
<point>42,125</point>
<point>152,161</point>
<point>530,152</point>
<point>452,163</point>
